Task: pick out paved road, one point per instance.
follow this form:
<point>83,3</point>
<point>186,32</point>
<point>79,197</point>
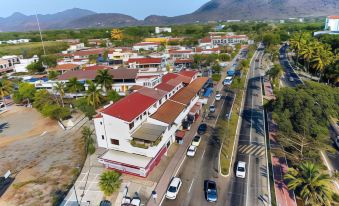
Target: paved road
<point>204,165</point>
<point>251,147</point>
<point>289,71</point>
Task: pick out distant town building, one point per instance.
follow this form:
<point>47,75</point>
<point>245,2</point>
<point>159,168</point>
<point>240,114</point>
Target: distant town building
<point>219,27</point>
<point>146,46</point>
<point>332,23</point>
<point>16,41</point>
<point>159,30</point>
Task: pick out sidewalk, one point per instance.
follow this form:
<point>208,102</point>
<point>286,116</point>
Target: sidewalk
<point>284,197</point>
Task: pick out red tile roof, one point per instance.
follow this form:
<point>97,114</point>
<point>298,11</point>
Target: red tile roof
<point>234,36</point>
<point>154,93</point>
<point>168,77</point>
<point>180,51</point>
<point>145,60</point>
<point>130,107</point>
<point>205,40</point>
<point>91,74</point>
<point>97,67</point>
<point>188,73</point>
<point>63,67</point>
<point>333,17</point>
<point>88,52</point>
<point>168,112</point>
<point>181,61</point>
<point>165,87</point>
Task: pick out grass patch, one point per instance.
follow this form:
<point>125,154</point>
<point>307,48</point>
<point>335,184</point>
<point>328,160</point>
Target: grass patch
<point>36,181</point>
<point>33,48</point>
<point>216,77</point>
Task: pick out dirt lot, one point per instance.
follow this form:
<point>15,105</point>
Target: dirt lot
<point>43,158</point>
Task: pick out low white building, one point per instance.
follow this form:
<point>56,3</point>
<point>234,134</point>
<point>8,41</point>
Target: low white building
<point>22,66</point>
<point>146,46</point>
<point>332,23</point>
<point>17,41</point>
<point>159,30</point>
<point>138,130</point>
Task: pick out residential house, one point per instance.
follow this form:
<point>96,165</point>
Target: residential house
<point>63,68</point>
<point>147,46</point>
<point>159,30</point>
<point>138,130</point>
<point>146,62</point>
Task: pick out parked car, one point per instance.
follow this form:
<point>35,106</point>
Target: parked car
<point>218,97</point>
<point>241,169</point>
<point>211,193</point>
<point>196,141</point>
<point>202,128</point>
<point>291,79</point>
<point>228,80</point>
<point>212,108</point>
<point>173,189</point>
<point>191,151</point>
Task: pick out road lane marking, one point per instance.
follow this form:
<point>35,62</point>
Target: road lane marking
<point>202,156</point>
<point>175,174</point>
<point>248,179</point>
<point>43,133</point>
<point>189,189</point>
<point>251,121</point>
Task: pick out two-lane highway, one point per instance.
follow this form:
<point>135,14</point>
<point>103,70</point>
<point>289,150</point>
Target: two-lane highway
<point>254,188</point>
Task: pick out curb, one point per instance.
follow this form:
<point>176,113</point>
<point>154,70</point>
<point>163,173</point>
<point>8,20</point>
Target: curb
<point>240,118</point>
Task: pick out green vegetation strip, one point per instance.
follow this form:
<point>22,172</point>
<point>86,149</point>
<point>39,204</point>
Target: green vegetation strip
<point>227,130</point>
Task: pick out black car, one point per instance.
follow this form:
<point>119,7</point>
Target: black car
<point>202,128</point>
<point>211,193</point>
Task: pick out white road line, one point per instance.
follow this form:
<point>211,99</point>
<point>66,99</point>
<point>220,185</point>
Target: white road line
<point>248,179</point>
<point>43,133</point>
<point>251,122</point>
<point>175,174</point>
<point>189,190</point>
<point>202,156</point>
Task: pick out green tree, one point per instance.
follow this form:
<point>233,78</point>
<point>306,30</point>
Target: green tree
<point>55,111</point>
<point>59,88</point>
<point>109,182</point>
<point>105,79</point>
<point>52,75</point>
<point>74,86</point>
<point>216,68</point>
<point>42,98</point>
<point>93,94</point>
<point>224,57</point>
<point>83,105</point>
<point>310,184</point>
<point>25,91</point>
<point>112,95</point>
<point>275,73</point>
<point>307,52</point>
<point>87,135</point>
<point>35,67</point>
<point>322,58</point>
<point>49,60</point>
<point>5,89</point>
<point>93,58</point>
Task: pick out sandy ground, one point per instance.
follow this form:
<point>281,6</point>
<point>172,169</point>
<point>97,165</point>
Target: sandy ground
<point>43,158</point>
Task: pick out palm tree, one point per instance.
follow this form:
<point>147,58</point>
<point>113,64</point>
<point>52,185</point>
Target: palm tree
<point>307,52</point>
<point>93,94</point>
<point>109,182</point>
<point>297,43</point>
<point>312,186</point>
<point>60,89</point>
<point>5,89</point>
<point>275,73</point>
<point>87,134</point>
<point>74,85</point>
<point>323,57</point>
<point>105,79</point>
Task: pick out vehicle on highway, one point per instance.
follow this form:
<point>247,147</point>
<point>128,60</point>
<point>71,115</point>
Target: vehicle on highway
<point>218,97</point>
<point>241,169</point>
<point>173,189</point>
<point>291,79</point>
<point>228,80</point>
<point>202,128</point>
<point>196,141</point>
<point>212,108</point>
<point>211,193</point>
<point>191,151</point>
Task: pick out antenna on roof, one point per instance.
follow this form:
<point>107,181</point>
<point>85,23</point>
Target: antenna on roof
<point>42,42</point>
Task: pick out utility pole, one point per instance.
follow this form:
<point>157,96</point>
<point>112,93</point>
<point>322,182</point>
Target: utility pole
<point>42,42</point>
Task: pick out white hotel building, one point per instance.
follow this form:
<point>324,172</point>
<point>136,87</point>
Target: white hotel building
<point>138,130</point>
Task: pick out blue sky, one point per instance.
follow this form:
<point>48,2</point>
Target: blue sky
<point>136,8</point>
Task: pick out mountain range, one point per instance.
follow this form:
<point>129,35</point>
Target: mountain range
<point>213,10</point>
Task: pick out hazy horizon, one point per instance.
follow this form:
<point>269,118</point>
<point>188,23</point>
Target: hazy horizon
<point>137,8</point>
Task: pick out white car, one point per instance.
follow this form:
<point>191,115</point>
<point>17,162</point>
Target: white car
<point>173,189</point>
<point>228,80</point>
<point>191,151</point>
<point>218,97</point>
<point>196,141</point>
<point>212,108</point>
<point>241,170</point>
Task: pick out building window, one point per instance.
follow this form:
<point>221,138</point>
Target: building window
<point>115,141</point>
<point>100,123</point>
<point>102,137</point>
<point>144,113</point>
<point>131,125</point>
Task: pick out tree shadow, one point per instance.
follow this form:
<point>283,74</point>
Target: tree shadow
<point>4,126</point>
